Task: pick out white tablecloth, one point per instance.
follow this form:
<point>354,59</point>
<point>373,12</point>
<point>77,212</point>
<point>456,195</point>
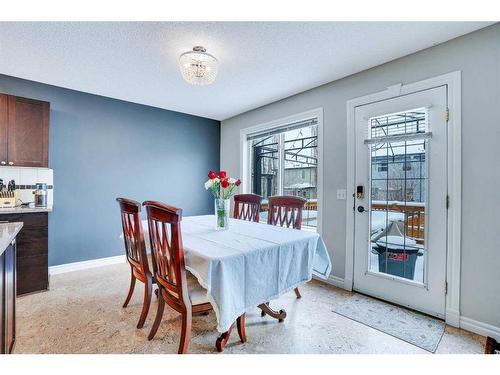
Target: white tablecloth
<point>249,264</point>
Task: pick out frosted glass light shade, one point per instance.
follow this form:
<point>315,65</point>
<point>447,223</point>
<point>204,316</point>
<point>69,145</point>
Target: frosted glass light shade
<point>198,67</point>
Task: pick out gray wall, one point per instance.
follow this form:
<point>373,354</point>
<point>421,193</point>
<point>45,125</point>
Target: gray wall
<point>477,55</point>
<point>102,148</point>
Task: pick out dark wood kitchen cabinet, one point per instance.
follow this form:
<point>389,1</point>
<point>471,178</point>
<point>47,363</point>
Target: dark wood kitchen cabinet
<point>24,132</point>
<point>32,251</point>
<point>4,117</point>
<point>8,299</point>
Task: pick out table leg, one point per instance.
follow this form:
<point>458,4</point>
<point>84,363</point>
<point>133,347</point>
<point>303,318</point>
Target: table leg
<point>280,315</point>
<point>262,312</point>
<point>240,323</point>
<point>222,340</point>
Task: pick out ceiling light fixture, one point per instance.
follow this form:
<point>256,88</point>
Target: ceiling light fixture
<point>198,67</point>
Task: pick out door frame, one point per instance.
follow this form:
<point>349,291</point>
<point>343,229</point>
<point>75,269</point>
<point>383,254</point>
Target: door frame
<point>454,181</point>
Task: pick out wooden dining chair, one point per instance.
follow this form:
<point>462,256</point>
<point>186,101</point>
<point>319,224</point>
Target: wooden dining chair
<point>177,288</point>
<point>247,207</point>
<point>286,211</point>
<point>136,253</point>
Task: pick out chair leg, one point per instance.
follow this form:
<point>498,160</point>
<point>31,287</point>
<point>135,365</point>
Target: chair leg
<point>148,288</point>
<point>297,293</point>
<point>185,333</point>
<point>159,315</point>
<point>131,289</point>
<point>240,323</point>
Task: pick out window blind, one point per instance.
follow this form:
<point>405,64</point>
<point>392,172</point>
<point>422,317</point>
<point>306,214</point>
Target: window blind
<point>398,138</point>
<point>283,129</point>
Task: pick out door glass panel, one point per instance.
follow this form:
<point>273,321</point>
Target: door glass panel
<point>398,186</point>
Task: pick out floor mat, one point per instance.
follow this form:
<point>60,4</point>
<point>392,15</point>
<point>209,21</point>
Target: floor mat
<point>408,325</point>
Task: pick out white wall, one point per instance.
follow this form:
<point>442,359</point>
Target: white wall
<point>477,55</point>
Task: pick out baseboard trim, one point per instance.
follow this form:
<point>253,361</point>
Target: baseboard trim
<point>480,328</point>
<point>452,317</point>
<point>348,284</point>
<point>86,264</point>
<point>332,280</point>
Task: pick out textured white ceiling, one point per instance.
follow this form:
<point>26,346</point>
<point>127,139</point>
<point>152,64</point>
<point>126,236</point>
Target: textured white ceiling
<point>260,62</point>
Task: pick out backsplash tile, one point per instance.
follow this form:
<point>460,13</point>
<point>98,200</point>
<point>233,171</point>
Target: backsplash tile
<point>9,173</point>
<point>45,175</point>
<point>26,178</point>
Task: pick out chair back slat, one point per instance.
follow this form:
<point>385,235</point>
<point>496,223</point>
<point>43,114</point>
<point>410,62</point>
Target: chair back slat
<point>164,224</point>
<point>247,207</point>
<point>133,235</point>
<point>286,211</point>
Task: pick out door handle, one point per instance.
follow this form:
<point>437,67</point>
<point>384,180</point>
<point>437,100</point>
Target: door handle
<point>361,209</point>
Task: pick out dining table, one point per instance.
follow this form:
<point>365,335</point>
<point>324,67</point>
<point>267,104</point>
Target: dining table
<point>248,264</point>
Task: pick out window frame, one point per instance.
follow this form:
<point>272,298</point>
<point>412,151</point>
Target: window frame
<point>245,157</point>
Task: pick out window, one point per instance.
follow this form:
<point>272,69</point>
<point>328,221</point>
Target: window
<point>284,161</point>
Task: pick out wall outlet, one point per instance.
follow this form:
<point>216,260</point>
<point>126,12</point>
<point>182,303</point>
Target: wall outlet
<point>341,194</point>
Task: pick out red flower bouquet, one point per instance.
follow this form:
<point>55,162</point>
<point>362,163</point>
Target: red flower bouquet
<point>222,188</point>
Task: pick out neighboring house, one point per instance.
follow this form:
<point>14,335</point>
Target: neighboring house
<point>399,178</point>
<point>301,181</point>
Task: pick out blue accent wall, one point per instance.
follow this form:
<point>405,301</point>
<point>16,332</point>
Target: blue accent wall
<point>101,149</point>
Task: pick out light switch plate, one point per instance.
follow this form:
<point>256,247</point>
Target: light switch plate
<point>341,194</point>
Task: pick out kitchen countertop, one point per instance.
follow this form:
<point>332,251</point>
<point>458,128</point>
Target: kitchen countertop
<point>8,231</point>
<point>26,210</point>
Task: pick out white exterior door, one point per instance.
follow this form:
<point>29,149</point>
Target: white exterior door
<point>401,200</point>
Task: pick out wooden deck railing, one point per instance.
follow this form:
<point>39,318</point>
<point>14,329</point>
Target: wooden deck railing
<point>311,205</point>
<point>414,216</point>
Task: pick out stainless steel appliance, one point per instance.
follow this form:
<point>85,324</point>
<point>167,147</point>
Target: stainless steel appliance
<point>40,195</point>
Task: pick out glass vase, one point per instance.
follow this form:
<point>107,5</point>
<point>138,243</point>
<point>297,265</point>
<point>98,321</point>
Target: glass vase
<point>222,214</point>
